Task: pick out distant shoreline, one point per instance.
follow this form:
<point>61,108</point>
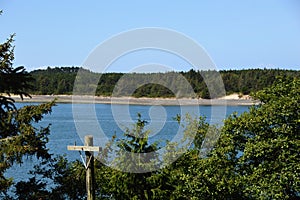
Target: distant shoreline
<point>227,100</point>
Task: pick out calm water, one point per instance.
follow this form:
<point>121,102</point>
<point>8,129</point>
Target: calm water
<point>160,119</point>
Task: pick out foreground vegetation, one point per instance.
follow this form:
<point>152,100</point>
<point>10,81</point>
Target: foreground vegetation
<point>61,81</point>
<point>18,136</point>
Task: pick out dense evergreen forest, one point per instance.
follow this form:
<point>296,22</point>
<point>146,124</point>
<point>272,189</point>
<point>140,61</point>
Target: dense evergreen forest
<point>60,80</point>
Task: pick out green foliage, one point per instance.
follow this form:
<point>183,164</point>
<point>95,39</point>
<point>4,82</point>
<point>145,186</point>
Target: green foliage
<point>256,156</point>
<point>153,90</point>
<point>61,80</point>
<point>67,181</point>
<point>134,184</point>
<point>12,80</point>
<point>18,136</point>
<point>54,80</point>
<point>32,189</point>
<point>262,146</point>
<point>166,183</point>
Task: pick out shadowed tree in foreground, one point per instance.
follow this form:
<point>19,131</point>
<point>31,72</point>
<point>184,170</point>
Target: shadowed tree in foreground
<point>18,136</point>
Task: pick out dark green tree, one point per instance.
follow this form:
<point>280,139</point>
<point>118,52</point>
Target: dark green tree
<point>67,180</point>
<point>126,185</point>
<point>18,136</point>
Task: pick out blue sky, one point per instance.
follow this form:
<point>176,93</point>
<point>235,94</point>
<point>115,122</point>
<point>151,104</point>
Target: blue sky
<point>236,34</point>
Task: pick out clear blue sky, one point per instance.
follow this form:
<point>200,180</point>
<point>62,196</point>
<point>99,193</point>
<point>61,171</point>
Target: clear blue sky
<point>236,34</point>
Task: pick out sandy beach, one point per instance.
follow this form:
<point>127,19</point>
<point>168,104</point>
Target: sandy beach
<point>227,100</point>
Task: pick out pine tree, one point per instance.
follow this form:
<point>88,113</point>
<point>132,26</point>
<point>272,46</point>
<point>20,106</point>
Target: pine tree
<point>18,136</point>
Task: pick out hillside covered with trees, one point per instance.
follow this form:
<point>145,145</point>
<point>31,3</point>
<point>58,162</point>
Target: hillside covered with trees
<point>60,80</point>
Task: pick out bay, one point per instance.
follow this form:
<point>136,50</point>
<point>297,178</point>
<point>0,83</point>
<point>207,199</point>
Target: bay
<point>113,120</point>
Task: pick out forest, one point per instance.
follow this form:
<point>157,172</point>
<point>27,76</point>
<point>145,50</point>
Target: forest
<point>60,80</point>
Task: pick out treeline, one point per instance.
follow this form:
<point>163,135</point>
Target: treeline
<point>60,80</point>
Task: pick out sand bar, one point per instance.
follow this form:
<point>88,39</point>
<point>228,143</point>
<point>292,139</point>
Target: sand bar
<point>228,100</point>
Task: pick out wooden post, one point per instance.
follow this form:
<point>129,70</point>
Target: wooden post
<point>89,149</point>
<point>90,175</point>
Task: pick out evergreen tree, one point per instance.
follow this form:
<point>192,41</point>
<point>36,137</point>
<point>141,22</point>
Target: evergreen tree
<point>136,185</point>
<point>18,137</point>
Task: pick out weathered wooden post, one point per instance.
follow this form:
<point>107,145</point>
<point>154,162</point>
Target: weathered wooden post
<point>89,149</point>
<point>90,175</point>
